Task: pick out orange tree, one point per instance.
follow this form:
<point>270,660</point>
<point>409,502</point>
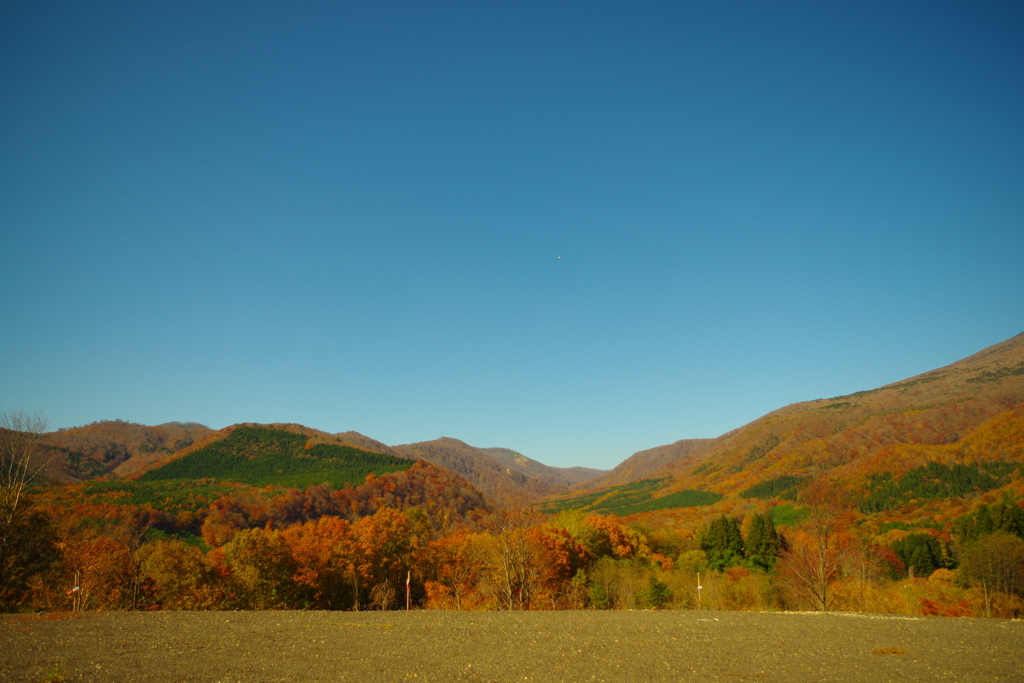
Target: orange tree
<point>818,548</point>
<point>322,552</point>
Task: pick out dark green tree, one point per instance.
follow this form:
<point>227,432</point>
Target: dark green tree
<point>921,562</point>
<point>722,542</point>
<point>921,553</point>
<point>983,523</point>
<point>762,545</point>
<point>599,598</point>
<point>32,549</point>
<point>1011,520</point>
<point>657,594</point>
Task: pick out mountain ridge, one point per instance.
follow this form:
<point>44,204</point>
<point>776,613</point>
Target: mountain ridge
<point>124,450</point>
<point>971,410</point>
<point>892,428</point>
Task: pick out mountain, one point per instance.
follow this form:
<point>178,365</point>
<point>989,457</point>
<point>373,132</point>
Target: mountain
<point>498,472</point>
<point>119,449</point>
<point>251,475</point>
<point>935,416</point>
<point>260,455</point>
<point>951,433</point>
<point>273,476</point>
<point>560,476</point>
<point>643,464</point>
<point>116,446</point>
<point>312,437</point>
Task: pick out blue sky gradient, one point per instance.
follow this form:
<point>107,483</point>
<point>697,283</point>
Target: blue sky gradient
<point>572,229</point>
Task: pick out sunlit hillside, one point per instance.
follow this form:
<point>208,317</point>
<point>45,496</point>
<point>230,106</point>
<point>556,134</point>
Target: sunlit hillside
<point>905,499</point>
<point>116,446</point>
<point>949,434</point>
<point>962,412</point>
<point>493,471</point>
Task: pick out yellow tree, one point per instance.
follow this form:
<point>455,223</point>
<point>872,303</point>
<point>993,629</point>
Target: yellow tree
<point>995,563</point>
<point>383,554</point>
<point>179,575</point>
<point>261,567</point>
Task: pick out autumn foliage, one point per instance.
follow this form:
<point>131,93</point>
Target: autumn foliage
<point>907,499</point>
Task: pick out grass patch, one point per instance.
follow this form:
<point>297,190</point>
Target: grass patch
<point>680,499</point>
<point>840,405</point>
<point>788,514</point>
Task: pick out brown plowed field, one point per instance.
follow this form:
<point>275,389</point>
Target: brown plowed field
<point>368,647</point>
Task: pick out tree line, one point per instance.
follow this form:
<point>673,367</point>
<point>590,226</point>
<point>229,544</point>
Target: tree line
<point>422,538</point>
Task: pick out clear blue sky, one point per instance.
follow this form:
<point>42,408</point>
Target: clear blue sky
<point>572,229</point>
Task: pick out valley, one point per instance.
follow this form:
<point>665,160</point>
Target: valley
<point>914,490</point>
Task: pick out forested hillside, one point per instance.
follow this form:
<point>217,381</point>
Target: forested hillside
<point>260,456</point>
<point>957,424</point>
<point>116,446</point>
<point>643,464</point>
<point>966,412</point>
<point>481,469</point>
<point>905,499</point>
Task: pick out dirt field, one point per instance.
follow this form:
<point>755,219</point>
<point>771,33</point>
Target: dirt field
<point>418,646</point>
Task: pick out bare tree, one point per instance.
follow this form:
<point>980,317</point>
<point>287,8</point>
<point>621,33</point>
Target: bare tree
<point>515,556</point>
<point>25,548</point>
<point>819,548</point>
<point>132,534</point>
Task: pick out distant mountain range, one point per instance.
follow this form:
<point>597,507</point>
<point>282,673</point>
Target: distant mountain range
<point>971,411</point>
<point>498,472</point>
<point>126,450</point>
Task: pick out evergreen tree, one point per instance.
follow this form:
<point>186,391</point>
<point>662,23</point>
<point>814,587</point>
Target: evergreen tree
<point>923,553</point>
<point>599,598</point>
<point>722,542</point>
<point>963,529</point>
<point>921,562</point>
<point>657,594</point>
<point>1012,521</point>
<point>762,545</point>
<point>983,523</point>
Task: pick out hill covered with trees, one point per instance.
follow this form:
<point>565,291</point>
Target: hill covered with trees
<point>496,471</point>
<point>905,499</point>
<point>950,433</point>
<point>261,456</point>
<point>117,447</point>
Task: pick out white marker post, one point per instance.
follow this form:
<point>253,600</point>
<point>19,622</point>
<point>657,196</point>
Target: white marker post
<point>699,589</point>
